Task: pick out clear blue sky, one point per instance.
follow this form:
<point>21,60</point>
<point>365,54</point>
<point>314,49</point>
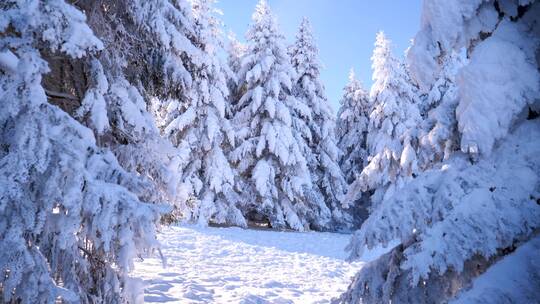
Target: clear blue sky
<point>345,31</point>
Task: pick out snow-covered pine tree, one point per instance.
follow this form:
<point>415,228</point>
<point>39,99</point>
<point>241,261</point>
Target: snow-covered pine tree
<point>440,138</point>
<point>110,92</point>
<point>392,136</point>
<point>168,31</point>
<point>195,122</point>
<point>170,25</point>
<point>322,153</point>
<point>463,214</point>
<point>235,52</point>
<point>352,127</point>
<point>70,224</point>
<point>273,171</point>
<point>137,142</point>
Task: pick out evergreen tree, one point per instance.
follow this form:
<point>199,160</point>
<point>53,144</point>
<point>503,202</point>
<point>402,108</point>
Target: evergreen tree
<point>477,199</point>
<point>70,223</point>
<point>440,138</point>
<point>198,127</point>
<point>235,52</point>
<point>170,25</point>
<point>352,126</point>
<point>116,104</point>
<point>112,91</point>
<point>274,173</point>
<point>322,152</point>
<point>392,137</point>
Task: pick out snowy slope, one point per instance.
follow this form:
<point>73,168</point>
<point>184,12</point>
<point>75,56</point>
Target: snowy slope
<point>232,265</point>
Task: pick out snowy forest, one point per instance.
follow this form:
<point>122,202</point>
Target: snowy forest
<point>138,136</point>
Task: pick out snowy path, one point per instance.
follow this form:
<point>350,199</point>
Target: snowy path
<point>231,265</point>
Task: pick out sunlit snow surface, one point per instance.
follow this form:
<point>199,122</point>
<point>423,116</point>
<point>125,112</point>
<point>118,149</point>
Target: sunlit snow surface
<point>232,265</point>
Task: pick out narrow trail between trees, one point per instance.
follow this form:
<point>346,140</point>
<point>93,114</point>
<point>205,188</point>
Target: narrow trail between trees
<point>232,265</point>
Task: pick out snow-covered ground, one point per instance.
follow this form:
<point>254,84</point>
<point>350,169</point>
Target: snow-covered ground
<point>232,265</point>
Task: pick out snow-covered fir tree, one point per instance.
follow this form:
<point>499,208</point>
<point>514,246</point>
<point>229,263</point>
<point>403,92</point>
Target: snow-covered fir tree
<point>392,136</point>
<point>316,123</point>
<point>352,127</point>
<point>440,139</point>
<point>273,172</point>
<point>70,222</point>
<point>112,109</point>
<point>197,125</point>
<point>111,91</point>
<point>116,105</point>
<point>235,51</point>
<point>170,25</point>
<point>477,201</point>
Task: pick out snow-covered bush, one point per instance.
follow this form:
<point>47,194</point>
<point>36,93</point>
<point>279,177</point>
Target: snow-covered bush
<point>316,120</point>
<point>70,221</point>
